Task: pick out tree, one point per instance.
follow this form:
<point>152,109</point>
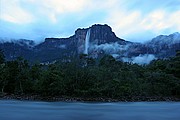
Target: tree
<point>178,53</point>
<point>107,60</point>
<point>2,72</point>
<point>51,82</point>
<point>2,58</point>
<point>23,77</point>
<point>17,76</point>
<point>3,79</point>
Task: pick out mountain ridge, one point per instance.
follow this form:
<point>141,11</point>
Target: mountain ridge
<point>102,40</point>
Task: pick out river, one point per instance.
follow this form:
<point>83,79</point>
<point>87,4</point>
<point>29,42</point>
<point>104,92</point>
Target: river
<point>32,110</point>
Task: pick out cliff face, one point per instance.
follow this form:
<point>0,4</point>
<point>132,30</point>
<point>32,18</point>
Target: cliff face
<point>61,48</point>
<point>74,45</point>
<point>100,40</point>
<point>99,34</point>
<point>162,46</point>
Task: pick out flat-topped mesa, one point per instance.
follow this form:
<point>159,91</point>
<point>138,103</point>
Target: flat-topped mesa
<point>100,40</point>
<point>99,34</point>
<point>81,42</point>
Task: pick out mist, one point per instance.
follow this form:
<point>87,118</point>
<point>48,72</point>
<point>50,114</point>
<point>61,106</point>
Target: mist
<point>112,48</point>
<point>142,59</point>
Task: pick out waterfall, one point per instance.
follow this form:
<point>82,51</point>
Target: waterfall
<point>87,41</point>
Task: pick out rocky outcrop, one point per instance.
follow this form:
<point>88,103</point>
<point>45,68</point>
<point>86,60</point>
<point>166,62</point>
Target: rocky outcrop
<point>101,34</point>
<point>74,45</point>
<point>16,48</point>
<point>162,46</point>
<point>60,48</point>
<point>102,40</point>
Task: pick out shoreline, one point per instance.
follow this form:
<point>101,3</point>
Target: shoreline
<point>85,99</point>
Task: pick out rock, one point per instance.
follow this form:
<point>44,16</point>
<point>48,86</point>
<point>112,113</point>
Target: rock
<point>101,37</point>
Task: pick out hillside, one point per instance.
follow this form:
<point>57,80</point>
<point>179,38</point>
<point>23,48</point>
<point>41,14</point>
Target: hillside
<point>95,41</point>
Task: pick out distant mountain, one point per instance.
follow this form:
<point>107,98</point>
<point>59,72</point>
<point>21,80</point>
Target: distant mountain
<point>165,45</point>
<point>15,48</point>
<point>95,41</point>
<point>162,46</point>
<point>60,48</point>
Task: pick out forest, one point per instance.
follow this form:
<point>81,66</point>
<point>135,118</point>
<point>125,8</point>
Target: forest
<point>87,77</point>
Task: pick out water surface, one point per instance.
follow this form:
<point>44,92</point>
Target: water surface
<point>28,110</point>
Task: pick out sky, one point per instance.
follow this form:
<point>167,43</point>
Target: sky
<point>132,20</point>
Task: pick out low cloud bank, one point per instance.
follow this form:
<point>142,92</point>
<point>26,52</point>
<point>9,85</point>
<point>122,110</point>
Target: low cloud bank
<point>117,51</point>
<point>110,48</point>
<point>141,59</point>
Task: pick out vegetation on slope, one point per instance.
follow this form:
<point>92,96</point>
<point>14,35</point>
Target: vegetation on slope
<point>90,78</point>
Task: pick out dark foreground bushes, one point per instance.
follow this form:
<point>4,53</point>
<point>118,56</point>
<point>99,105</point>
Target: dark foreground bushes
<point>106,78</point>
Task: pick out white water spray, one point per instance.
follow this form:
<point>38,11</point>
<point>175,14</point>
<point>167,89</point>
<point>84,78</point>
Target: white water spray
<point>87,41</point>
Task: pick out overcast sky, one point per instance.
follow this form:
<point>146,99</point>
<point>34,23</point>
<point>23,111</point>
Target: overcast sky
<point>133,20</point>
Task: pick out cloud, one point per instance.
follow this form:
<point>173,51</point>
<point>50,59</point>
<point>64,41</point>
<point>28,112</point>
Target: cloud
<point>141,20</point>
<point>160,20</point>
<point>111,48</point>
<point>137,20</point>
<point>141,59</point>
<point>11,11</point>
<point>52,9</point>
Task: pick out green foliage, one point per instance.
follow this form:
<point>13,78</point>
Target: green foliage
<point>96,78</point>
<point>1,57</point>
<point>107,60</point>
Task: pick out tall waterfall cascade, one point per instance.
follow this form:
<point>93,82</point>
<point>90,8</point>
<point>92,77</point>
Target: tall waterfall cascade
<point>87,41</point>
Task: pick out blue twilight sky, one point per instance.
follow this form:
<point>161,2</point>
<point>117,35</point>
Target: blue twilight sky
<point>133,20</point>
